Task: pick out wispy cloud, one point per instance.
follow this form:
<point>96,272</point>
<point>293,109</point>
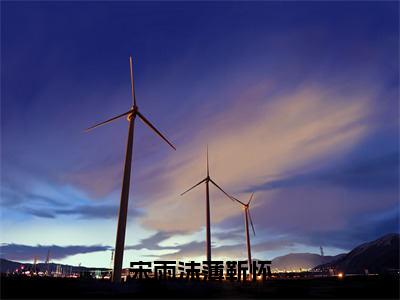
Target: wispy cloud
<point>27,253</point>
<point>96,211</point>
<point>380,172</point>
<point>152,242</point>
<point>248,147</point>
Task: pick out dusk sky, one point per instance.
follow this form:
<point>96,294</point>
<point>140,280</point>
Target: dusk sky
<point>298,103</point>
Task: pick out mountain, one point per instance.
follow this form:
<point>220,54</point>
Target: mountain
<point>297,261</point>
<point>379,256</point>
<point>10,266</point>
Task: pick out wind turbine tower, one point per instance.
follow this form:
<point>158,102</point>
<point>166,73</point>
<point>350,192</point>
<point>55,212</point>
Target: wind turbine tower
<point>247,218</point>
<point>207,180</point>
<point>131,115</point>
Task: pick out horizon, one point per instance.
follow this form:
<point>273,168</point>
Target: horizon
<point>273,258</point>
<point>294,106</point>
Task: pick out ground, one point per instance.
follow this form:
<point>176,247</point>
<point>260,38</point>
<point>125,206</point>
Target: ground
<point>362,287</point>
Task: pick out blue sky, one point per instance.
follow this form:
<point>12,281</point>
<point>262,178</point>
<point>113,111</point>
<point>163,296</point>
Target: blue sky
<point>298,102</point>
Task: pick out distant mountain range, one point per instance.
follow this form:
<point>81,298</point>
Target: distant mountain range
<point>379,256</point>
<point>297,261</point>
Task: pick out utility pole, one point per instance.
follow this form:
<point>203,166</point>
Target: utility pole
<point>112,259</point>
<point>34,264</point>
<point>47,262</point>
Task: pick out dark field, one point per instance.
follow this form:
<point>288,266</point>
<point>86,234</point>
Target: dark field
<point>349,287</point>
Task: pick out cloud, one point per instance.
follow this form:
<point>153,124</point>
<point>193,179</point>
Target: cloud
<point>376,173</point>
<point>380,172</point>
<point>187,250</point>
<point>238,250</point>
<point>152,242</point>
<point>292,151</point>
<point>39,213</point>
<point>298,129</point>
<point>12,197</point>
<point>27,253</point>
<point>99,211</point>
<point>361,228</point>
<point>51,202</point>
<point>98,179</point>
<point>46,207</point>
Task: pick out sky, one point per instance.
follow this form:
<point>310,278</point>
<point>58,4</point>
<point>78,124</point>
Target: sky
<point>297,102</point>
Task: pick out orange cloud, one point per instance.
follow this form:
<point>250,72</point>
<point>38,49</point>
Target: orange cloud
<point>261,137</point>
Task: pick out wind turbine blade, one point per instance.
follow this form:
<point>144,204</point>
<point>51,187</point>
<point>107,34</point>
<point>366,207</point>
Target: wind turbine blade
<point>109,120</point>
<point>251,198</point>
<point>132,82</point>
<point>194,186</point>
<point>251,221</point>
<point>147,122</point>
<point>225,193</point>
<point>208,170</point>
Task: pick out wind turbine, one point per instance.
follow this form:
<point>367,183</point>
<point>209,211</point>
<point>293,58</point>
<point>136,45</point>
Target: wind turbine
<point>123,208</point>
<point>247,217</point>
<point>207,180</point>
